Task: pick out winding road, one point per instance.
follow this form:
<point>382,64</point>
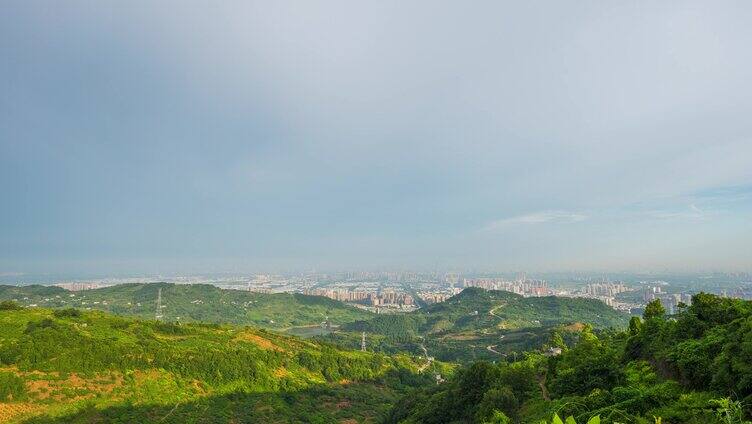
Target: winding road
<point>428,358</point>
<point>490,348</point>
<point>491,312</point>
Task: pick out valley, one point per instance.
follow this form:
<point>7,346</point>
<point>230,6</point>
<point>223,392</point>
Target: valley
<point>480,357</point>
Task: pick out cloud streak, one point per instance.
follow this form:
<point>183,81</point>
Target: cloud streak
<point>692,212</point>
<point>543,217</point>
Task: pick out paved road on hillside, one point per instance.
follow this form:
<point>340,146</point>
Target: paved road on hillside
<point>491,312</point>
<point>428,358</point>
<point>491,348</point>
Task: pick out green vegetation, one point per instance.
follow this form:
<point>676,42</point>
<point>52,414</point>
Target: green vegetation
<point>477,309</point>
<point>463,347</point>
<point>694,367</point>
<point>194,303</point>
<point>9,305</point>
<point>514,311</point>
<point>12,387</point>
<point>570,420</point>
<point>462,329</point>
<point>479,324</point>
<point>354,402</point>
<point>72,366</point>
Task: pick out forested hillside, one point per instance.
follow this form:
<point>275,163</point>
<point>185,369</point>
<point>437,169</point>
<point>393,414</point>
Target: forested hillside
<point>481,324</point>
<point>694,367</point>
<point>503,309</point>
<point>66,365</point>
<point>193,303</point>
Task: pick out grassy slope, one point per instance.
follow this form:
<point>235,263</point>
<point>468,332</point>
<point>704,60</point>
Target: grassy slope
<point>98,367</point>
<point>462,328</point>
<point>515,311</point>
<point>462,347</point>
<point>194,303</point>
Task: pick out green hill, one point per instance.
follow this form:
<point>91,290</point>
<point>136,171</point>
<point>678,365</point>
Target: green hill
<point>481,324</point>
<point>194,303</point>
<point>476,308</point>
<point>68,365</point>
<point>694,367</point>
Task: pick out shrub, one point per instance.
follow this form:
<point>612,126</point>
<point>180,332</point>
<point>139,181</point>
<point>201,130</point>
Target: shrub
<point>11,387</point>
<point>9,305</point>
<point>67,313</point>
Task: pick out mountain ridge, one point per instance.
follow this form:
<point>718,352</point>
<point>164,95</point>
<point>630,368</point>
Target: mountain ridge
<point>194,303</point>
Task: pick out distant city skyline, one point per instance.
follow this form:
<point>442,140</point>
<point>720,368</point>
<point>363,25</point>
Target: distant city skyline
<point>173,137</point>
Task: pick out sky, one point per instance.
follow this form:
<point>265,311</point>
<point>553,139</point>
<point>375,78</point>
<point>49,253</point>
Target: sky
<point>181,136</point>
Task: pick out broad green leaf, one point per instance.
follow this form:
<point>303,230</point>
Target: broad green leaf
<point>570,420</point>
<point>595,420</point>
<point>556,420</point>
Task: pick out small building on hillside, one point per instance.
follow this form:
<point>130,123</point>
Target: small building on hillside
<point>552,351</point>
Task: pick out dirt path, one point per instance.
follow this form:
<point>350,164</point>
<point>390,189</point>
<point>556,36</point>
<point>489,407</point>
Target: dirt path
<point>428,358</point>
<point>542,385</point>
<point>493,310</point>
<point>491,349</point>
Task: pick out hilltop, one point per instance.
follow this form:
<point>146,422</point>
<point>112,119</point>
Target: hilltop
<point>476,308</point>
<point>194,303</point>
<point>474,324</point>
<point>68,365</point>
<point>482,324</point>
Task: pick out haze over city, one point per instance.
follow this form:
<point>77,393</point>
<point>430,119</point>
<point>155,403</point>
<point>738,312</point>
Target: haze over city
<point>250,137</point>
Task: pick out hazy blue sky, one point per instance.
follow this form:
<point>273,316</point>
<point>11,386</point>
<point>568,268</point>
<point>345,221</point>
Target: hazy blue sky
<point>539,135</point>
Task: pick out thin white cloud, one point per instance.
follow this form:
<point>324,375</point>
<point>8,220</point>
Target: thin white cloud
<point>692,212</point>
<point>537,218</point>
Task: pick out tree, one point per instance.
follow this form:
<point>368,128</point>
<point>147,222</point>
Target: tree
<point>498,418</point>
<point>473,384</point>
<point>635,324</point>
<point>9,305</point>
<point>557,340</point>
<point>495,401</point>
<point>654,309</point>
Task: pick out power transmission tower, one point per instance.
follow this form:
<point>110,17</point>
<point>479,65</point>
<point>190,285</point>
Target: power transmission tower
<point>158,315</point>
<point>363,341</point>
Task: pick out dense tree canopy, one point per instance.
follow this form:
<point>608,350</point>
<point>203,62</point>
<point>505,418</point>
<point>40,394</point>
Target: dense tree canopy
<point>53,360</point>
<point>694,367</point>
